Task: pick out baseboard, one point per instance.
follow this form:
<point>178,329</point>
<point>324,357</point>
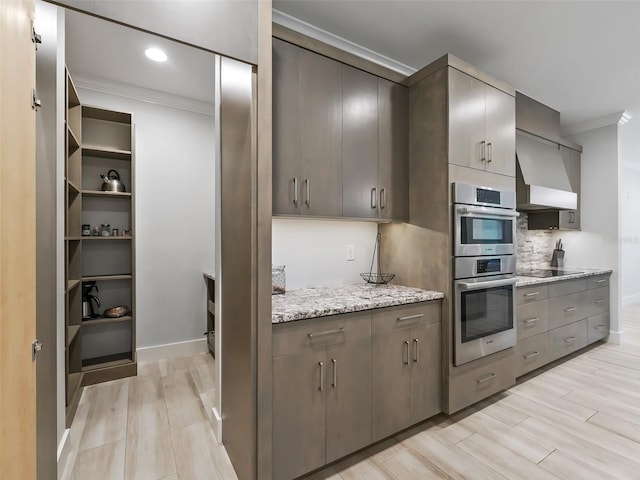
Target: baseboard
<point>216,419</point>
<point>631,299</point>
<point>615,337</point>
<point>170,350</point>
<point>63,451</point>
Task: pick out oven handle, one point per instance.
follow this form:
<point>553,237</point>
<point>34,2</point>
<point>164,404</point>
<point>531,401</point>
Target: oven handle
<point>487,284</point>
<point>501,212</point>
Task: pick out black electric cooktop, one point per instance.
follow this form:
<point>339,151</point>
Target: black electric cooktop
<point>546,273</point>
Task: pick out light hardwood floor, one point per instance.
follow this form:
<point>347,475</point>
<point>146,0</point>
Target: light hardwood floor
<point>578,420</point>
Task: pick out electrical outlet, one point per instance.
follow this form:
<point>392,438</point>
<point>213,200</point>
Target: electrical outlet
<point>351,253</point>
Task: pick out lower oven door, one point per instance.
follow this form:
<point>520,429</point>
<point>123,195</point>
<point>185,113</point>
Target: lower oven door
<point>484,317</point>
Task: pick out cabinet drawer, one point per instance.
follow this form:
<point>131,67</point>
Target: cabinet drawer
<point>478,383</point>
<point>532,319</point>
<point>597,282</point>
<point>597,301</point>
<point>569,286</point>
<point>567,339</point>
<point>320,332</point>
<point>388,320</point>
<point>531,353</point>
<point>531,294</point>
<point>597,327</point>
<point>567,309</point>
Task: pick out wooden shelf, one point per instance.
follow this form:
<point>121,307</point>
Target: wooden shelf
<point>112,237</point>
<point>104,152</point>
<point>73,239</point>
<point>72,187</point>
<point>72,333</point>
<point>73,143</point>
<point>106,320</point>
<point>98,193</point>
<point>99,113</point>
<point>71,284</point>
<point>106,278</point>
<point>74,380</point>
<point>107,361</point>
<point>211,307</point>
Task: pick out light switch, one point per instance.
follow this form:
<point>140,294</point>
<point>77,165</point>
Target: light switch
<point>351,253</point>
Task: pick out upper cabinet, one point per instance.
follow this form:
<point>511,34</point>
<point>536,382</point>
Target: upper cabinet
<point>481,125</point>
<point>340,139</point>
<point>570,219</point>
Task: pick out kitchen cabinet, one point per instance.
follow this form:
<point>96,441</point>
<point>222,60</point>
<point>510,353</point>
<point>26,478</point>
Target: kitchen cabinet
<point>406,367</point>
<point>340,139</point>
<point>570,219</point>
<point>481,125</point>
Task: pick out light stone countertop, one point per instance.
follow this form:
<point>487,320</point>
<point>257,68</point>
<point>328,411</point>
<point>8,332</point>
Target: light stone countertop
<point>525,281</point>
<point>324,301</point>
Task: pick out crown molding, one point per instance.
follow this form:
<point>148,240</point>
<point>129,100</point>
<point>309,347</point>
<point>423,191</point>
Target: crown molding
<point>592,124</point>
<point>126,90</point>
<point>329,38</point>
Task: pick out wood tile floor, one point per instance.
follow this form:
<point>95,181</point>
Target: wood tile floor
<point>577,420</point>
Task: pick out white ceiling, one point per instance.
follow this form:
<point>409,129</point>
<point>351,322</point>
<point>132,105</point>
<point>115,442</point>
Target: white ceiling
<point>579,57</point>
<point>105,53</point>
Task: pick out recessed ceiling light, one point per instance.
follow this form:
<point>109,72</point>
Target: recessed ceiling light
<point>156,54</point>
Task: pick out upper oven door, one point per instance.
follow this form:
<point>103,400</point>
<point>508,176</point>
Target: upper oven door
<point>484,231</point>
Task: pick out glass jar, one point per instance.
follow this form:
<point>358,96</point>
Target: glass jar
<point>278,280</point>
<point>105,230</point>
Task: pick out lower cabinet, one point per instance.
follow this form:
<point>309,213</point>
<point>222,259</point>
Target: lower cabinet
<point>330,373</point>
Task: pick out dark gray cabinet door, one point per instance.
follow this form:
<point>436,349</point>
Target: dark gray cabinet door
<point>348,398</point>
<point>320,124</point>
<point>391,384</point>
<point>299,430</point>
<point>425,374</point>
<point>570,219</point>
<point>500,131</point>
<point>286,128</point>
<point>467,146</point>
<point>393,150</point>
<point>359,143</point>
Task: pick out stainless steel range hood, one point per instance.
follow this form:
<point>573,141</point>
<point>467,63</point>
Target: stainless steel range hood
<point>542,182</point>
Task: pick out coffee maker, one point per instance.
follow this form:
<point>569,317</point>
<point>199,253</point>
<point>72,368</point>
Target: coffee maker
<point>89,300</point>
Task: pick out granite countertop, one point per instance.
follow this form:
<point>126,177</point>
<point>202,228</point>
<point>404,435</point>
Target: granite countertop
<point>323,301</point>
<point>571,273</point>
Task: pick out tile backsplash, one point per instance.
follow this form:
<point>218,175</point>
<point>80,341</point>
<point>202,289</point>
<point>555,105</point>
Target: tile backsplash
<point>535,247</point>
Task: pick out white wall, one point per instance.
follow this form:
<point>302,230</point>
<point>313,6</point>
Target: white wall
<point>598,244</point>
<point>315,251</point>
<point>174,155</point>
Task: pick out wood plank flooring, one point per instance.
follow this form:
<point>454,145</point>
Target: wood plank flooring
<point>577,420</point>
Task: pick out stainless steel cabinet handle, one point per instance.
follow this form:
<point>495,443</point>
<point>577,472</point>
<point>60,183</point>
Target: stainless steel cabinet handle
<point>600,281</point>
<point>570,339</point>
<point>484,144</point>
<point>383,198</point>
<point>410,317</point>
<point>406,357</point>
<point>307,185</point>
<point>570,309</point>
<point>486,378</point>
<point>598,302</point>
<point>335,373</point>
<point>295,191</point>
<point>531,320</point>
<point>599,326</point>
<point>321,376</point>
<point>531,355</point>
<point>532,294</point>
<point>490,152</point>
<point>416,356</point>
<point>373,198</point>
<point>572,217</point>
<point>328,332</point>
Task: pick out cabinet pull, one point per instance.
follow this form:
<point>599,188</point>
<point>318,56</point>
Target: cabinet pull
<point>600,281</point>
<point>373,198</point>
<point>572,217</point>
<point>335,373</point>
<point>570,309</point>
<point>532,294</point>
<point>406,353</point>
<point>383,198</point>
<point>321,388</point>
<point>328,332</point>
<point>531,320</point>
<point>307,185</point>
<point>598,302</point>
<point>484,144</point>
<point>489,152</point>
<point>486,378</point>
<point>570,339</point>
<point>599,326</point>
<point>531,355</point>
<point>410,317</point>
<point>416,357</point>
<point>295,191</point>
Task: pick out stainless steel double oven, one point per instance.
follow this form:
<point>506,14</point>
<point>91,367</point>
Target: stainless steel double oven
<point>484,271</point>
